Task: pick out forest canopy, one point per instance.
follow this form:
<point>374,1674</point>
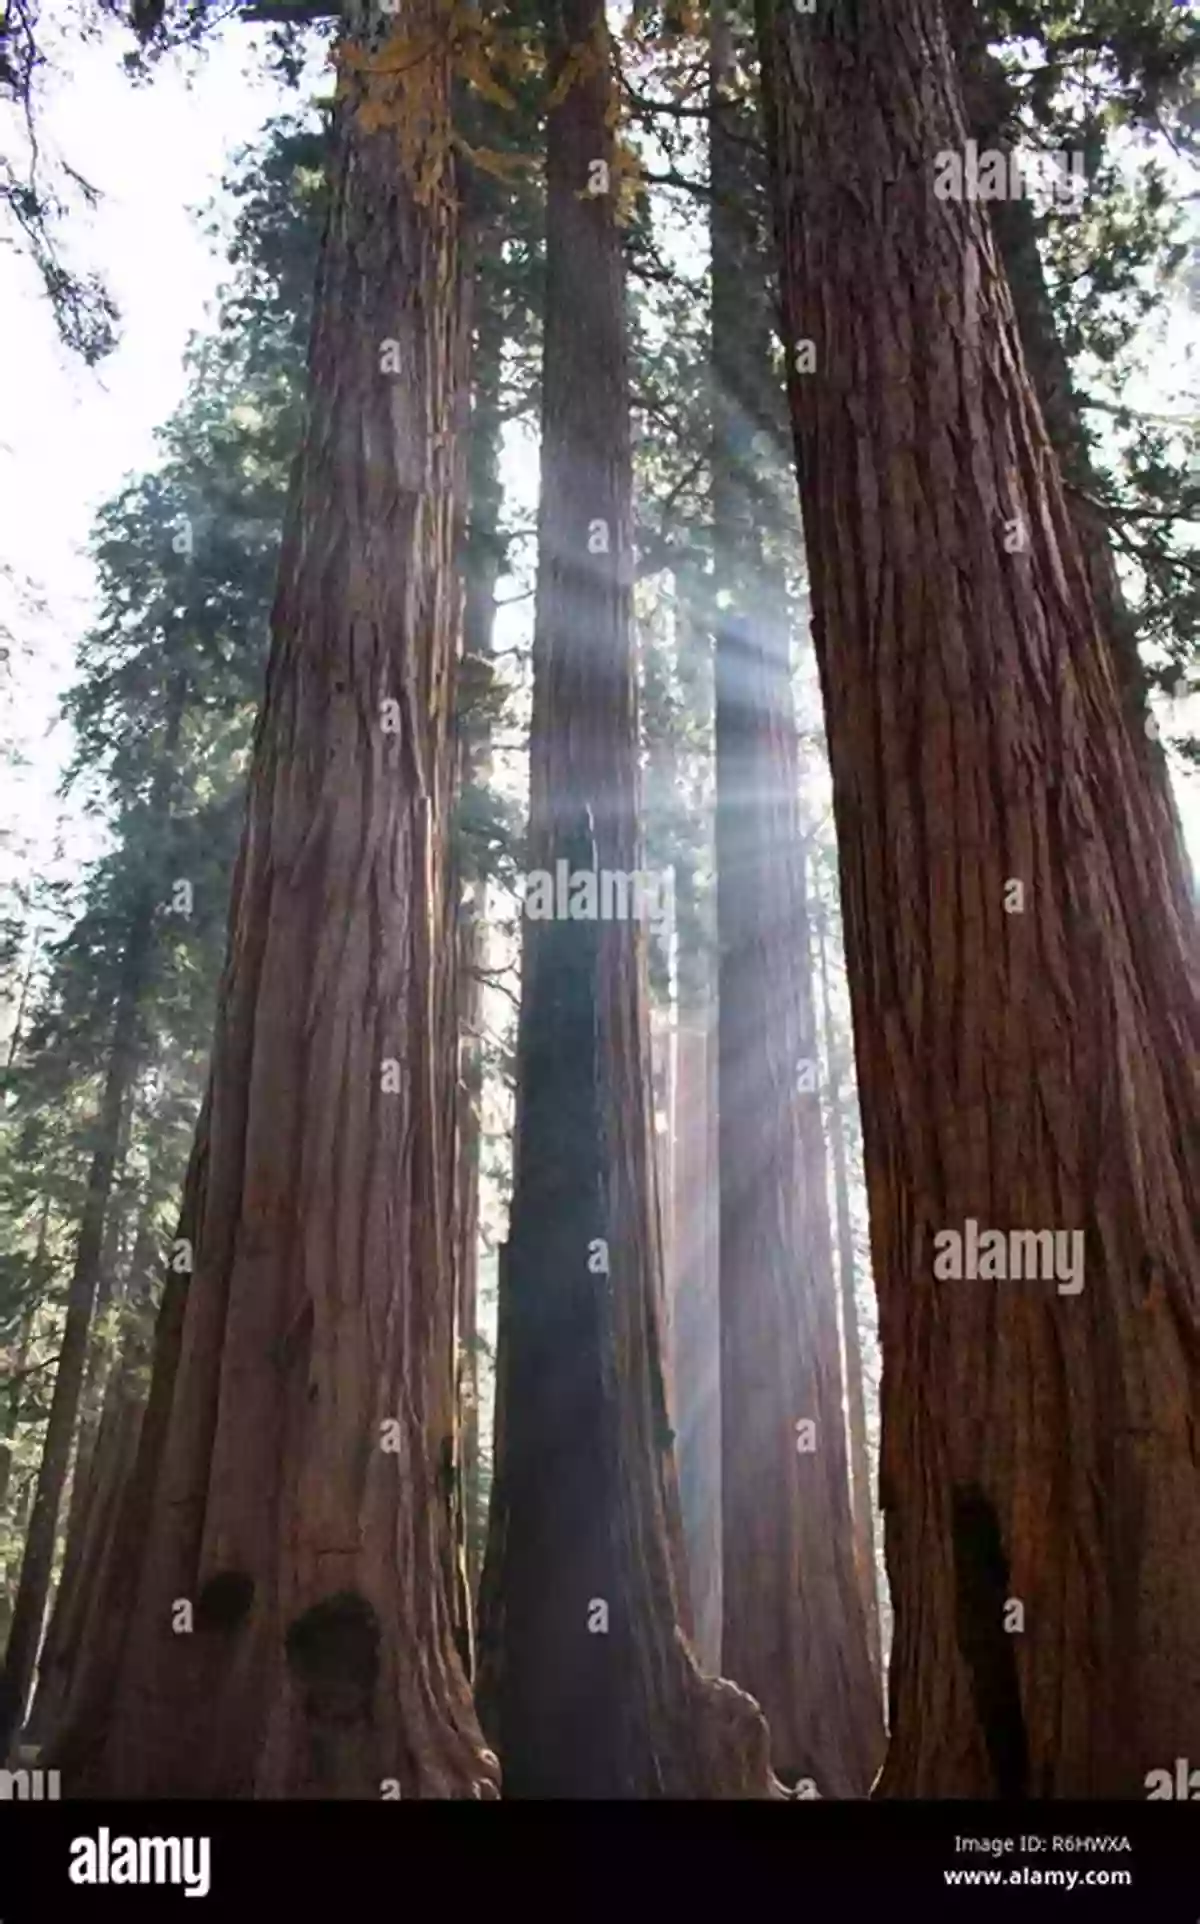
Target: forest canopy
<point>599,1176</point>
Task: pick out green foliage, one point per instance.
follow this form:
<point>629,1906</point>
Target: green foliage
<point>163,705</point>
<point>1116,80</point>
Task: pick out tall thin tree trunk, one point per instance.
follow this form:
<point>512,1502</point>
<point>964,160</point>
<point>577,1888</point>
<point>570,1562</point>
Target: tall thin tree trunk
<point>15,1035</point>
<point>694,1322</point>
<point>12,1414</point>
<point>475,761</point>
<point>102,1378</point>
<point>447,994</point>
<point>695,1332</point>
<point>22,1503</point>
<point>597,1693</point>
<point>30,1607</point>
<point>1022,976</point>
<point>75,1739</point>
<point>12,1407</point>
<point>662,1083</point>
<point>471,937</point>
<point>100,1363</point>
<point>860,1461</point>
<point>304,1383</point>
<point>101,1464</point>
<point>793,1625</point>
<point>12,1418</point>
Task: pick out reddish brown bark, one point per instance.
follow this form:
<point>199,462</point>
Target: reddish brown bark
<point>313,1543</point>
<point>991,112</point>
<point>585,1483</point>
<point>793,1632</point>
<point>1032,1070</point>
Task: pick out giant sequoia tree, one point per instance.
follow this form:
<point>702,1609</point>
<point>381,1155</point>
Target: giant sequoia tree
<point>292,1480</point>
<point>163,710</point>
<point>991,111</point>
<point>590,1687</point>
<point>1021,965</point>
<point>263,1589</point>
<point>794,1631</point>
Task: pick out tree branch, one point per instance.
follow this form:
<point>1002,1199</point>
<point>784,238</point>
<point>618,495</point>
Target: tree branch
<point>672,179</point>
<point>1116,511</point>
<point>13,1377</point>
<point>301,13</point>
<point>1142,414</point>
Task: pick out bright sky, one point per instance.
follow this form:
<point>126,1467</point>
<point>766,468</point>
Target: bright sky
<point>69,436</point>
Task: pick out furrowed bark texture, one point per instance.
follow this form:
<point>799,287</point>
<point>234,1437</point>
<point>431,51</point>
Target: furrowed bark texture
<point>322,1658</point>
<point>597,1692</point>
<point>794,1632</point>
<point>1031,1070</point>
<point>990,107</point>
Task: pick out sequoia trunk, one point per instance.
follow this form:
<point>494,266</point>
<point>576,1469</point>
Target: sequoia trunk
<point>793,1626</point>
<point>596,1693</point>
<point>303,1386</point>
<point>990,107</point>
<point>1023,987</point>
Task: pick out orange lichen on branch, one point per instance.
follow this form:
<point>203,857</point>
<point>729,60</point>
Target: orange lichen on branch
<point>506,167</point>
<point>405,85</point>
<point>478,51</point>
